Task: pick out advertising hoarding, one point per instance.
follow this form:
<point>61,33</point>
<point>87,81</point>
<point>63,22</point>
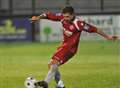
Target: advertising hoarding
<point>110,24</point>
<point>16,29</point>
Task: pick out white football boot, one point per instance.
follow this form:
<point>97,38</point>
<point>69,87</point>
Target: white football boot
<point>60,84</point>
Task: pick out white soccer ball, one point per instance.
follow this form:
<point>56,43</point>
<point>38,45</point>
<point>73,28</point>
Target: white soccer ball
<point>30,82</point>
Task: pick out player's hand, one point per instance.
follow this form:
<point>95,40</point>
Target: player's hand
<point>113,37</point>
<point>34,19</point>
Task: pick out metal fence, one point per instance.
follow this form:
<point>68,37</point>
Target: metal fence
<point>29,7</point>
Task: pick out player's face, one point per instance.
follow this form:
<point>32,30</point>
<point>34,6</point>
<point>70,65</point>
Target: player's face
<point>68,16</point>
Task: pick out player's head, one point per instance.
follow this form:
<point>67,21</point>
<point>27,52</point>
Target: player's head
<point>68,13</point>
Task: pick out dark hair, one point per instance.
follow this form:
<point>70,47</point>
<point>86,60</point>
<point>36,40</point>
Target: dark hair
<point>68,9</point>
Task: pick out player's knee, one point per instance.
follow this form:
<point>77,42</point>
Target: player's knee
<point>53,64</point>
<point>49,65</point>
<point>53,67</point>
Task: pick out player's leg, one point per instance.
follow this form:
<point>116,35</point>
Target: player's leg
<point>53,67</point>
<point>58,80</point>
<point>59,58</point>
<point>57,76</point>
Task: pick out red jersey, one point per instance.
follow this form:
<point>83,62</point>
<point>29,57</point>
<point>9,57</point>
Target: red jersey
<point>75,28</point>
<point>71,35</point>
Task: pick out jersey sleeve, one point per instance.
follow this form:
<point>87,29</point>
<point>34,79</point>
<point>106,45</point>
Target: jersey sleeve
<point>87,27</point>
<point>54,17</point>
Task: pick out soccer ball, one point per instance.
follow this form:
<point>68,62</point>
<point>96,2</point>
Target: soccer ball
<point>30,82</point>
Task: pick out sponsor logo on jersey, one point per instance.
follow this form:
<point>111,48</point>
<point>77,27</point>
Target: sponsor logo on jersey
<point>67,33</point>
<point>71,27</point>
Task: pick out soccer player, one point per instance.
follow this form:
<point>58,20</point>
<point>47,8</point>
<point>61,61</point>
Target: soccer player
<point>72,28</point>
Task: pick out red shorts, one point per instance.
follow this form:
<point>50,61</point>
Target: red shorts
<point>62,56</point>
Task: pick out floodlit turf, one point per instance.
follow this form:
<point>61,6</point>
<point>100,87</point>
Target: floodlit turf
<point>96,65</point>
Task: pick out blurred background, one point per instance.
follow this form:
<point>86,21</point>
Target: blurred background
<point>26,48</point>
<point>15,14</point>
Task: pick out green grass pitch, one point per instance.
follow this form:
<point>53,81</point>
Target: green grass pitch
<point>96,64</point>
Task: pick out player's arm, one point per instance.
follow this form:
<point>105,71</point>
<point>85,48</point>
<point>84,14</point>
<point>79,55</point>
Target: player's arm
<point>37,18</point>
<point>49,16</point>
<point>92,29</point>
<point>108,37</point>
